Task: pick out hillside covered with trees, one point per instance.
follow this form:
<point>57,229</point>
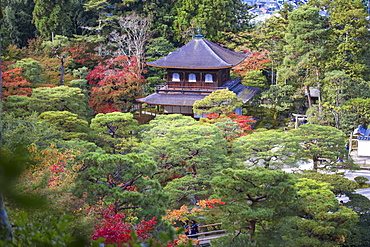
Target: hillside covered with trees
<point>80,166</point>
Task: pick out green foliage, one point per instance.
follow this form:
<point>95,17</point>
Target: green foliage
<point>359,237</point>
<point>320,117</point>
<point>214,17</point>
<point>67,122</point>
<point>32,233</point>
<point>228,240</point>
<point>50,17</point>
<point>117,129</point>
<point>17,21</point>
<point>361,180</point>
<point>278,98</point>
<point>359,107</point>
<point>254,198</point>
<point>254,78</point>
<point>335,87</point>
<point>156,48</point>
<point>272,149</point>
<point>221,102</point>
<point>58,42</point>
<point>28,131</point>
<point>339,184</point>
<point>180,145</point>
<point>32,70</point>
<point>123,180</point>
<point>325,145</point>
<point>17,106</point>
<point>348,36</point>
<point>321,221</point>
<point>188,190</point>
<point>60,98</point>
<point>305,38</point>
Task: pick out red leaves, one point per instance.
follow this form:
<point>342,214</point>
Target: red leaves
<point>115,84</point>
<point>115,231</point>
<point>15,84</point>
<point>244,123</point>
<point>213,202</point>
<point>256,60</point>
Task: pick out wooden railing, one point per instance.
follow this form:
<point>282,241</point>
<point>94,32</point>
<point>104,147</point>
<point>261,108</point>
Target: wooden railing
<point>187,88</point>
<point>212,231</point>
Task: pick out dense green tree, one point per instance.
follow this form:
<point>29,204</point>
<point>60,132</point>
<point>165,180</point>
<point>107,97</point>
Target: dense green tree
<point>28,131</point>
<point>305,37</point>
<point>339,184</point>
<point>277,99</point>
<point>213,17</point>
<point>61,98</point>
<point>220,102</point>
<point>156,49</point>
<point>269,36</point>
<point>51,17</point>
<point>17,106</point>
<point>122,180</point>
<point>182,146</point>
<point>335,85</point>
<point>359,237</point>
<point>116,129</point>
<point>161,14</point>
<point>17,21</point>
<point>68,122</point>
<point>359,109</point>
<point>97,29</point>
<point>348,37</point>
<point>320,221</point>
<point>32,70</point>
<point>272,149</point>
<point>254,199</point>
<point>324,145</point>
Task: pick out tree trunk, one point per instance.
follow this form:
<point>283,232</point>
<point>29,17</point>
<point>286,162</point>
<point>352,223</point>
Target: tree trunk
<point>315,161</point>
<point>308,96</point>
<point>252,230</point>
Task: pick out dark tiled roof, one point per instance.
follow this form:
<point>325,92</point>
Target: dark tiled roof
<point>200,54</point>
<point>175,99</point>
<point>182,99</point>
<point>243,92</point>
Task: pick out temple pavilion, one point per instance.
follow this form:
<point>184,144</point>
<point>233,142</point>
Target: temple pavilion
<point>194,71</point>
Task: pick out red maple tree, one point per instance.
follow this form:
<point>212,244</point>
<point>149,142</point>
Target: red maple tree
<point>15,84</point>
<point>114,231</point>
<point>115,84</point>
<point>230,133</point>
<point>82,54</point>
<point>256,60</point>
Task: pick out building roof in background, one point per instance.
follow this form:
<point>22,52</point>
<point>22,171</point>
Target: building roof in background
<point>200,54</point>
<point>180,99</point>
<point>175,99</point>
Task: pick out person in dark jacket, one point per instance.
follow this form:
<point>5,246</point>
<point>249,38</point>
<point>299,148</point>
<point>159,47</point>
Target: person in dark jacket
<point>194,228</point>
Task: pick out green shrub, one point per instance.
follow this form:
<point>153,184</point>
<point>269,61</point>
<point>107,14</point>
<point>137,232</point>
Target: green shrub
<point>361,180</point>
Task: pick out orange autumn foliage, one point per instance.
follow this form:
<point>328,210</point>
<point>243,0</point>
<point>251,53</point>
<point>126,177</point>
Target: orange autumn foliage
<point>15,84</point>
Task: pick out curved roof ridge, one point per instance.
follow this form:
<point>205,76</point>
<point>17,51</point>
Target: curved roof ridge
<point>212,50</point>
<point>200,53</point>
<point>238,57</point>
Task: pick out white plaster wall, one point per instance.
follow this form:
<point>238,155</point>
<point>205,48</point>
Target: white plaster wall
<point>363,148</point>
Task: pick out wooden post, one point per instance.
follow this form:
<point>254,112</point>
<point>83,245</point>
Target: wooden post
<point>350,144</point>
<point>296,122</point>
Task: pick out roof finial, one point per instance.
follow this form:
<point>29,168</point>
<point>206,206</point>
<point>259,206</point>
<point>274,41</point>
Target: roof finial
<point>199,35</point>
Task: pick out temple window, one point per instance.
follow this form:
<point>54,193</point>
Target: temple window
<point>192,78</point>
<point>175,77</point>
<point>209,78</point>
